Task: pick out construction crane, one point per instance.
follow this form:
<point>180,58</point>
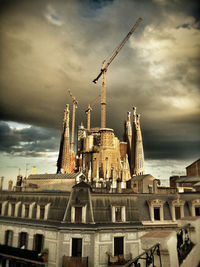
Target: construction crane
<point>103,73</point>
<point>75,103</point>
<point>89,109</point>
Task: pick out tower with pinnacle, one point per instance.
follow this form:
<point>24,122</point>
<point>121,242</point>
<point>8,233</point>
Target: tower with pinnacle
<point>133,137</point>
<point>63,163</point>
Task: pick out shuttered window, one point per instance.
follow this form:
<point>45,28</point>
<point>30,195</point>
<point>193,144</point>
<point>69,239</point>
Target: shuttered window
<point>78,214</point>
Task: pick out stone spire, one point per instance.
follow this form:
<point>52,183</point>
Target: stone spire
<point>128,135</point>
<point>63,163</point>
<point>137,153</point>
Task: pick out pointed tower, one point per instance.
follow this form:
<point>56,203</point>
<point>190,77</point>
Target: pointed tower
<point>137,153</point>
<point>63,163</point>
<point>128,135</point>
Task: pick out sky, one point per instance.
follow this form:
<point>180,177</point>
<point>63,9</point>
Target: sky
<point>47,47</point>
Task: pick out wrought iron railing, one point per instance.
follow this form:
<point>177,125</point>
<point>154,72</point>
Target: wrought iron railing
<point>148,256</point>
<point>184,243</point>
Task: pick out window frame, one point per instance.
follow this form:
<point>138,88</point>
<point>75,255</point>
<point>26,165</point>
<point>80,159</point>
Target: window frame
<point>34,242</point>
<point>177,202</point>
<point>123,245</point>
<point>8,242</point>
<point>113,213</point>
<point>20,240</point>
<point>192,205</point>
<point>83,215</point>
<point>73,245</point>
<point>156,203</point>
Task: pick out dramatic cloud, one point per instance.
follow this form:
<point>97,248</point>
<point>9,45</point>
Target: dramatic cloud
<point>48,46</point>
<point>32,141</point>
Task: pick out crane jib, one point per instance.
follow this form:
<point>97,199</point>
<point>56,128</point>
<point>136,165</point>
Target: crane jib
<point>118,49</point>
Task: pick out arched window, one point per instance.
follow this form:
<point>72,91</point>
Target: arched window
<point>23,240</point>
<point>8,237</point>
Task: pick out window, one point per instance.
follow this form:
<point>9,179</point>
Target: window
<point>194,206</point>
<point>0,208</point>
<point>42,211</point>
<point>8,237</point>
<point>118,214</point>
<point>13,209</point>
<point>197,211</point>
<point>76,247</point>
<point>157,214</point>
<point>23,240</point>
<point>156,209</point>
<point>78,214</point>
<point>177,208</point>
<point>118,246</point>
<point>177,212</point>
<point>38,243</point>
<point>26,215</point>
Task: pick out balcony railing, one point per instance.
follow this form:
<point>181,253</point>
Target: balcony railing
<point>184,243</point>
<point>75,261</point>
<point>147,256</point>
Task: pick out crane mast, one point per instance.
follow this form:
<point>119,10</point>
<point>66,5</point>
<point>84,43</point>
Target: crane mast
<point>88,111</point>
<point>75,103</point>
<point>103,73</point>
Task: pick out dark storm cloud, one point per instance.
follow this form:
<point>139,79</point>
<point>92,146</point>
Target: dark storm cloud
<point>33,141</point>
<point>47,47</point>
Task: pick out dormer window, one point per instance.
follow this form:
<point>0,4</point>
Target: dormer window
<point>194,206</point>
<point>3,206</point>
<point>177,212</point>
<point>177,208</point>
<point>13,209</point>
<point>42,211</point>
<point>78,214</point>
<point>197,211</point>
<point>156,213</point>
<point>156,209</point>
<point>26,211</point>
<point>118,214</point>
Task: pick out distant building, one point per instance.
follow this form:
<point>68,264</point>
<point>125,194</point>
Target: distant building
<point>193,169</point>
<point>191,181</point>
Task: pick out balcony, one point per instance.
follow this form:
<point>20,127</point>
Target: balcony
<point>75,261</point>
<point>11,256</point>
<point>148,257</point>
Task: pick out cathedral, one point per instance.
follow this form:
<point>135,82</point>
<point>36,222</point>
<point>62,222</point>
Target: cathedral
<point>101,156</point>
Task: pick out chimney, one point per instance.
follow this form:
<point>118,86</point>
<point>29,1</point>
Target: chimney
<point>1,183</point>
<point>10,184</point>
